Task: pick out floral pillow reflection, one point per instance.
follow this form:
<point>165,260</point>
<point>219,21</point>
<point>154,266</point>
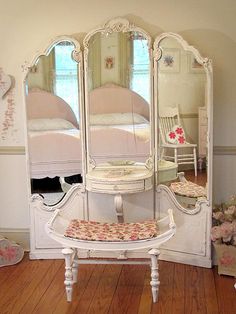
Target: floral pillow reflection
<point>176,135</point>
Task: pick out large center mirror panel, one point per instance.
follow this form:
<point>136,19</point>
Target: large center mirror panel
<point>54,120</point>
<point>118,95</point>
<point>182,98</point>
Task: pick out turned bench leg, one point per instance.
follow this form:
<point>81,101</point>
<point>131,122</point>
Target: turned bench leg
<point>154,253</point>
<point>69,277</point>
<point>75,267</point>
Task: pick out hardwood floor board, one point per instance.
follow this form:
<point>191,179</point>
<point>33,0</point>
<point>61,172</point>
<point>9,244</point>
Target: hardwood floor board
<point>164,304</point>
<point>137,291</point>
<point>8,275</point>
<point>226,293</point>
<point>178,289</point>
<point>42,286</point>
<point>29,282</point>
<point>52,294</point>
<point>16,283</point>
<point>131,276</point>
<point>194,290</point>
<point>105,290</point>
<point>6,271</point>
<point>90,290</point>
<point>210,291</point>
<point>84,276</point>
<point>145,304</point>
<point>200,179</point>
<point>38,287</point>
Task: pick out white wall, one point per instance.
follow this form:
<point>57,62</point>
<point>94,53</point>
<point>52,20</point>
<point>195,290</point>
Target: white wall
<point>28,25</point>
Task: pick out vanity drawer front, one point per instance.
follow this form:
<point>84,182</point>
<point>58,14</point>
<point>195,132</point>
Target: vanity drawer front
<point>113,188</point>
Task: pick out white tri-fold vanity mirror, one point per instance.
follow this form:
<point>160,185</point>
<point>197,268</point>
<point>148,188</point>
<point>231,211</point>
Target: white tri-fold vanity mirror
<point>120,129</point>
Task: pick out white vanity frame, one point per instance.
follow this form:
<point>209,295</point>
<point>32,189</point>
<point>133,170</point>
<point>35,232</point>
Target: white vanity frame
<point>185,247</point>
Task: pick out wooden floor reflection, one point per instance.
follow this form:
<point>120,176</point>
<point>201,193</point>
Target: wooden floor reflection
<point>200,179</point>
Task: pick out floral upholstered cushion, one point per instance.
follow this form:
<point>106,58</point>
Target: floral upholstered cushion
<point>114,232</point>
<point>188,188</point>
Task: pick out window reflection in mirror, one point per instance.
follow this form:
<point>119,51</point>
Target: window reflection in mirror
<point>118,85</point>
<point>57,74</point>
<point>52,101</point>
<point>182,85</point>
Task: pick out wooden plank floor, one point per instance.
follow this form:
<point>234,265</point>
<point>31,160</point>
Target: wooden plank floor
<point>37,287</point>
<point>200,179</point>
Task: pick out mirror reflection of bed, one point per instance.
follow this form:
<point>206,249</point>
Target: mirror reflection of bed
<point>52,100</point>
<point>182,85</point>
<point>54,137</point>
<point>54,143</point>
<point>118,91</point>
<point>119,125</point>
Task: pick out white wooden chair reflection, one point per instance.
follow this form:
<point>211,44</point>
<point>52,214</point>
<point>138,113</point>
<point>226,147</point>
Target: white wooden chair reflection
<point>168,120</point>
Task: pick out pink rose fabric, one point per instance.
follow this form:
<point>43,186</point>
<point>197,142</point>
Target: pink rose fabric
<point>114,232</point>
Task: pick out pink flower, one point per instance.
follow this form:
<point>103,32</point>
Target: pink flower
<point>231,210</point>
<point>215,233</point>
<point>101,236</point>
<point>228,218</point>
<point>181,139</point>
<point>179,131</point>
<point>226,231</point>
<point>234,226</point>
<point>134,236</point>
<point>219,216</point>
<point>172,135</point>
<point>10,253</point>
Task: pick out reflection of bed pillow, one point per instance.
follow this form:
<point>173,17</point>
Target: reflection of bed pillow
<point>176,135</point>
<point>117,118</point>
<point>49,124</point>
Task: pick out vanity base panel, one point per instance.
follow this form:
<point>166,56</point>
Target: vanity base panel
<point>189,246</point>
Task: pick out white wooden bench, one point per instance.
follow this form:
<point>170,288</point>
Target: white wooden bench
<point>57,227</point>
